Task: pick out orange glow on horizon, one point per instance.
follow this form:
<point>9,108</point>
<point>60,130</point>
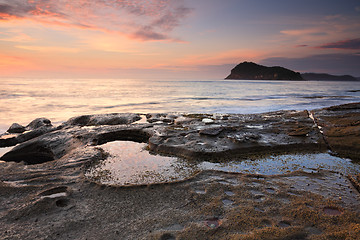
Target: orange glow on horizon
<point>12,65</point>
<point>78,37</point>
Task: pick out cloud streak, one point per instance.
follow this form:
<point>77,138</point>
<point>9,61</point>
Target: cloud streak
<point>138,19</point>
<point>353,44</point>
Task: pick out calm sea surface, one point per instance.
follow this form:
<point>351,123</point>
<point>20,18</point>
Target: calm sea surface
<point>22,100</point>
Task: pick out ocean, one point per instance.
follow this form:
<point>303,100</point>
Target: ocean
<point>22,100</point>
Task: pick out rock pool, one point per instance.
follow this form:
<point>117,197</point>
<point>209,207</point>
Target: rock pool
<point>129,163</point>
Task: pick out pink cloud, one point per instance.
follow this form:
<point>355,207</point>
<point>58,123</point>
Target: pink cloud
<point>138,19</point>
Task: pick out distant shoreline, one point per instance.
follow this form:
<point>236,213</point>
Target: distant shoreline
<point>253,71</point>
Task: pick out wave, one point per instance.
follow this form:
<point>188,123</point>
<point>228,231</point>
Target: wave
<point>125,105</point>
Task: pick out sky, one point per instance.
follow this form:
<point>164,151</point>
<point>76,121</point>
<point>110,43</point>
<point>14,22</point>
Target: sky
<point>176,38</point>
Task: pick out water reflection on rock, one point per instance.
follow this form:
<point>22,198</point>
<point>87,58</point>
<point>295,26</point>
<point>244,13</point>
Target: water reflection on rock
<point>130,164</point>
<point>280,164</point>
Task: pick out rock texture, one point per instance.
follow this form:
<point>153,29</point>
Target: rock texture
<point>45,194</point>
<point>341,129</point>
<point>239,135</point>
<point>103,119</point>
<point>219,138</point>
<point>253,71</point>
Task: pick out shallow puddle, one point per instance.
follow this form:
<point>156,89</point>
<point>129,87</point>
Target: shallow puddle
<point>200,191</point>
<point>284,224</point>
<point>227,202</point>
<point>287,163</point>
<point>130,164</point>
<point>270,190</point>
<point>229,193</point>
<point>213,223</point>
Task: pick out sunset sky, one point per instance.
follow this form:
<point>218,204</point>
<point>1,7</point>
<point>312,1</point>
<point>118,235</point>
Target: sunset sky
<point>175,38</point>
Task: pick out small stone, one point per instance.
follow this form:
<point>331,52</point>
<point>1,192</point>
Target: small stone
<point>16,128</point>
<point>208,121</point>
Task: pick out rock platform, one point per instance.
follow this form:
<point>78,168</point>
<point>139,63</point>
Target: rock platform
<point>45,194</point>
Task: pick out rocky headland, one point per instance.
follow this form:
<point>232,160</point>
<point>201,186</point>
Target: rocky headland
<point>253,71</point>
<point>46,192</point>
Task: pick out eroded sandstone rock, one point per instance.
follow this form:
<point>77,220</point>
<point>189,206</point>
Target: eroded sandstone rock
<point>54,199</point>
<point>238,135</point>
<point>341,128</point>
<point>103,119</point>
<point>19,134</point>
<point>188,136</point>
